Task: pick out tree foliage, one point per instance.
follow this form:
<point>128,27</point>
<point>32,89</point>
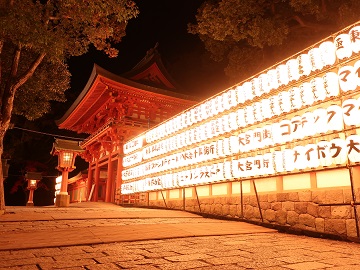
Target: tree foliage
<point>36,38</point>
<point>251,35</point>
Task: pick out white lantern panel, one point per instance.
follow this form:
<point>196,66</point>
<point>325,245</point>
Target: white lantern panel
<point>267,137</point>
<point>249,115</point>
<point>297,127</point>
<point>350,108</point>
<point>320,120</point>
<point>311,156</point>
<point>307,95</point>
<point>282,75</point>
<point>324,154</point>
<point>274,105</point>
<point>331,84</point>
<point>328,53</point>
<point>268,164</point>
<point>248,91</point>
<point>343,46</point>
<point>357,72</point>
<point>347,78</point>
<point>353,148</point>
<point>264,83</point>
<point>256,87</point>
<point>258,115</point>
<point>258,138</point>
<point>354,34</point>
<point>240,94</point>
<point>335,118</point>
<point>300,162</point>
<point>278,161</point>
<point>272,79</point>
<point>293,69</point>
<point>304,64</point>
<point>285,131</point>
<point>266,109</point>
<point>289,160</point>
<point>316,59</point>
<point>308,124</point>
<point>338,151</point>
<point>317,85</point>
<point>284,101</point>
<point>295,98</point>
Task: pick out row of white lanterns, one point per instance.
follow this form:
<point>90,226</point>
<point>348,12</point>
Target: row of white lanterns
<point>308,93</point>
<point>311,156</point>
<point>320,121</point>
<point>343,46</point>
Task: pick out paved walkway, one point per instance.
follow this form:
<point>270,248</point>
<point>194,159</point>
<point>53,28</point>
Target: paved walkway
<point>107,236</point>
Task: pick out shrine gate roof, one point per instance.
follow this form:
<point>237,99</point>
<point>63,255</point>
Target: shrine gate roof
<point>107,95</point>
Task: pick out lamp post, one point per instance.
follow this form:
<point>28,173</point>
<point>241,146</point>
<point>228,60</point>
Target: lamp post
<point>66,151</point>
<point>33,178</point>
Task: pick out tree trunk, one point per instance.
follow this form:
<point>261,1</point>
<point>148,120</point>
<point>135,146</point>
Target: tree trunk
<point>2,195</point>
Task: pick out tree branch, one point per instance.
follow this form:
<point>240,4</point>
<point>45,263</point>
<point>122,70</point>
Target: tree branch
<point>30,71</point>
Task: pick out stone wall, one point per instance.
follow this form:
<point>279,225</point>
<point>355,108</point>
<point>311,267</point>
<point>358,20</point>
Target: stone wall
<point>300,210</point>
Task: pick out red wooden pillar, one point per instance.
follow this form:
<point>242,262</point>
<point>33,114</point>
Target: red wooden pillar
<point>89,181</point>
<point>97,178</point>
<point>109,181</point>
<point>119,168</point>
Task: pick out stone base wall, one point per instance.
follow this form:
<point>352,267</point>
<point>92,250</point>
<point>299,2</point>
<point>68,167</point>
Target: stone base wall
<point>300,210</point>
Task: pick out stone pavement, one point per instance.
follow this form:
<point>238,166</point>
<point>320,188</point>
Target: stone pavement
<point>107,236</point>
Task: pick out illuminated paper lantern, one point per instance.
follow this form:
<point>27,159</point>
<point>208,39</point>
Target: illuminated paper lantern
<point>300,162</point>
<point>328,53</point>
<point>243,144</point>
<point>317,85</point>
<point>272,79</point>
<point>357,72</point>
<point>227,171</point>
<point>258,116</point>
<point>268,164</point>
<point>331,84</point>
<point>249,140</point>
<point>324,155</point>
<point>347,78</point>
<point>267,136</point>
<point>343,46</point>
<point>295,98</point>
<point>240,94</point>
<point>354,34</point>
<point>240,118</point>
<point>266,109</point>
<point>278,161</point>
<point>321,119</point>
<point>220,148</point>
<point>293,70</point>
<point>234,144</point>
<point>256,87</point>
<point>226,147</point>
<point>232,99</point>
<point>276,133</point>
<point>353,148</point>
<point>284,101</point>
<point>258,138</point>
<point>338,151</point>
<point>285,131</point>
<point>289,160</point>
<point>335,118</point>
<point>296,128</point>
<point>311,155</point>
<point>308,126</point>
<point>350,108</point>
<point>274,105</point>
<point>249,115</point>
<point>258,166</point>
<point>282,74</point>
<point>225,101</point>
<point>304,64</point>
<point>307,95</point>
<point>238,168</point>
<point>233,121</point>
<point>248,91</point>
<point>249,167</point>
<point>316,59</point>
<point>264,83</point>
<point>226,123</point>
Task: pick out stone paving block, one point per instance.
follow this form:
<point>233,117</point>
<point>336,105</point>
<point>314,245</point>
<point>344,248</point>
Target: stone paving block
<point>20,262</point>
<point>119,258</point>
<point>234,252</point>
<point>308,266</point>
<point>257,263</point>
<point>183,265</point>
<point>66,264</point>
<point>222,267</point>
<point>24,267</point>
<point>187,257</point>
<point>144,263</point>
<point>104,266</point>
<point>295,258</point>
<point>226,260</point>
<point>343,261</point>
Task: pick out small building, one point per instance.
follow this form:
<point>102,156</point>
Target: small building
<point>113,109</point>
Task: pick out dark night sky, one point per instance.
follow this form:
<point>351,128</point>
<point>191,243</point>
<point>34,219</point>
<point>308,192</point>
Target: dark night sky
<point>183,54</point>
